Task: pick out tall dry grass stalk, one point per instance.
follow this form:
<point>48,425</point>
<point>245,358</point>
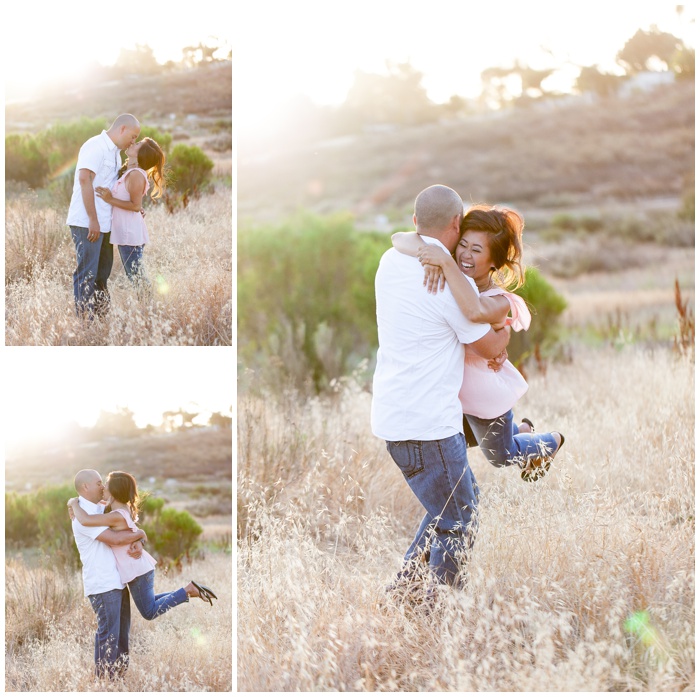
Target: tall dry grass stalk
<point>50,630</point>
<point>583,581</point>
<point>188,263</point>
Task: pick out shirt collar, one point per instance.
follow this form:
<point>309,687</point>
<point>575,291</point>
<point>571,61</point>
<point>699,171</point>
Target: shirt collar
<point>435,241</point>
<point>89,506</point>
<point>108,141</point>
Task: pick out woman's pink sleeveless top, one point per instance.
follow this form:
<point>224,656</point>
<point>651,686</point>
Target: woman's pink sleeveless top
<point>128,567</point>
<point>128,227</point>
<point>486,393</point>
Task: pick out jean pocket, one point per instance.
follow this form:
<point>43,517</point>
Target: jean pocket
<point>408,456</point>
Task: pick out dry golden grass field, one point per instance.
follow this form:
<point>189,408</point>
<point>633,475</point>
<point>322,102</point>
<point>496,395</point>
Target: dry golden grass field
<point>188,263</point>
<point>50,629</point>
<point>583,581</point>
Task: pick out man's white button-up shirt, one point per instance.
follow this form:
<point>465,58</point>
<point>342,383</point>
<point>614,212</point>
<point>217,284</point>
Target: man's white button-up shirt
<point>420,361</point>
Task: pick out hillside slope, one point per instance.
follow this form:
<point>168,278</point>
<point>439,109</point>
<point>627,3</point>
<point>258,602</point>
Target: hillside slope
<point>205,92</point>
<point>557,155</point>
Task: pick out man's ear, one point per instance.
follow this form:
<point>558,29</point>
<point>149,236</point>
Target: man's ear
<point>414,220</point>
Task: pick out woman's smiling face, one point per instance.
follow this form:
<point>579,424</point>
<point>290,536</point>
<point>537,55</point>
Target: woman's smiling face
<point>473,255</point>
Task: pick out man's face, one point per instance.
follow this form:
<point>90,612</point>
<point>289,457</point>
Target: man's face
<point>127,136</point>
<point>93,489</point>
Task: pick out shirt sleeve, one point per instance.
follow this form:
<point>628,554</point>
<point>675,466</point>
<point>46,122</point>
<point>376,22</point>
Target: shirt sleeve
<point>90,157</point>
<point>88,530</point>
<point>466,330</point>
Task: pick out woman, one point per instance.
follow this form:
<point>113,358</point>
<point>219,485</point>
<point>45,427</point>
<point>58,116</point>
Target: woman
<point>144,166</point>
<point>138,574</point>
<point>490,253</point>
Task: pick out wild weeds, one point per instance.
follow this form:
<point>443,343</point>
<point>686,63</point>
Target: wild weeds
<point>559,575</point>
<point>685,341</point>
<point>50,648</point>
<point>188,264</point>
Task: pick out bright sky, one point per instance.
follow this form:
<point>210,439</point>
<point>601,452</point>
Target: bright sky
<point>47,388</point>
<point>313,47</point>
<point>46,41</point>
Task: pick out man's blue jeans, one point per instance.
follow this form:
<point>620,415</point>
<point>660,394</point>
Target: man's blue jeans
<point>94,264</point>
<point>150,605</point>
<point>112,637</point>
<point>503,445</point>
<point>439,475</point>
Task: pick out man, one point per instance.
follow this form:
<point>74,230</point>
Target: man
<point>415,403</point>
<point>108,596</point>
<point>90,218</point>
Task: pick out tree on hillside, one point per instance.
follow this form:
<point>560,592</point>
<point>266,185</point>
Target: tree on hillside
<point>119,424</point>
<point>396,97</point>
<point>531,79</point>
<point>592,79</point>
<point>137,61</point>
<point>501,85</point>
<point>639,52</point>
<point>683,63</point>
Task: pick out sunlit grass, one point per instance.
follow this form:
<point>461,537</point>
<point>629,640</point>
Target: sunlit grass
<point>188,263</point>
<point>581,582</point>
<point>50,630</point>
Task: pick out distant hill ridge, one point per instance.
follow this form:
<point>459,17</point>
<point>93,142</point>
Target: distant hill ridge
<point>551,155</point>
<point>205,91</point>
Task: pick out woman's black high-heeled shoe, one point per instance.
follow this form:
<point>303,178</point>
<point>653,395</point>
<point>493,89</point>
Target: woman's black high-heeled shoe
<point>537,467</point>
<point>205,593</point>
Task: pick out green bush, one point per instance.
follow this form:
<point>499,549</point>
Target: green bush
<point>40,519</point>
<point>25,161</point>
<point>546,305</point>
<point>172,533</point>
<point>62,141</point>
<point>188,169</point>
<point>21,527</point>
<point>306,297</point>
<point>163,139</point>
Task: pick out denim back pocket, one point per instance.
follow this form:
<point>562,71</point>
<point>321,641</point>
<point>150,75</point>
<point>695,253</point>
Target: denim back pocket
<point>408,455</point>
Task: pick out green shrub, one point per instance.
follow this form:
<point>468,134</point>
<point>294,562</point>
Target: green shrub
<point>188,169</point>
<point>21,527</point>
<point>546,305</point>
<point>172,533</point>
<point>25,161</point>
<point>55,528</point>
<point>62,141</point>
<point>306,297</point>
<point>163,139</point>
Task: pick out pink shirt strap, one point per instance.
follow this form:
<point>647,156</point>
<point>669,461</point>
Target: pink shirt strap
<point>520,316</point>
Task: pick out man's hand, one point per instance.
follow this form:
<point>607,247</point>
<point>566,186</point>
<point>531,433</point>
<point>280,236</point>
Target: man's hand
<point>136,549</point>
<point>93,231</point>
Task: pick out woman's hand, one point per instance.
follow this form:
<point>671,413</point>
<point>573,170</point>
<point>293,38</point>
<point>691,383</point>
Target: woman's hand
<point>104,193</point>
<point>432,254</point>
<point>434,278</point>
<point>72,501</point>
<point>497,363</point>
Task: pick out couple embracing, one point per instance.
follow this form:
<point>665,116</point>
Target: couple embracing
<point>106,209</point>
<point>444,316</point>
<point>115,565</point>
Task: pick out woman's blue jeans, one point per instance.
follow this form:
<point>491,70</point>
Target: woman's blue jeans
<point>439,475</point>
<point>131,257</point>
<point>503,445</point>
<point>112,636</point>
<point>150,605</point>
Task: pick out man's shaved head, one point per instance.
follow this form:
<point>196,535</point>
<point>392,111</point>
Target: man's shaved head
<point>84,477</point>
<point>128,120</point>
<point>436,207</point>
